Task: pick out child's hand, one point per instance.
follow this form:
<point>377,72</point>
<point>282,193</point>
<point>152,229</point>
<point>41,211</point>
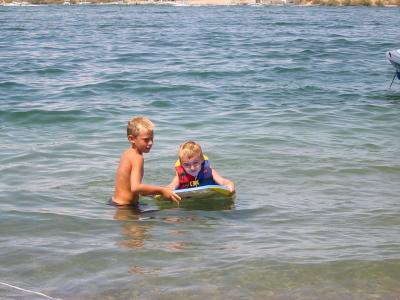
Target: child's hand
<point>170,195</point>
<point>231,187</point>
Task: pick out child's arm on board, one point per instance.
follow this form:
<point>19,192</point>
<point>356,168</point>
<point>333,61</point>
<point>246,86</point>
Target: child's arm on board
<point>174,184</point>
<point>223,181</point>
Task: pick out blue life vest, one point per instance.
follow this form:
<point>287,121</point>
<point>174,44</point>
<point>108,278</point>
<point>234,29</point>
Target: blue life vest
<point>188,181</point>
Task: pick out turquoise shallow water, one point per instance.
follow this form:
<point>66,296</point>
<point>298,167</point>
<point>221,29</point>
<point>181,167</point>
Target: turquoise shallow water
<point>291,103</point>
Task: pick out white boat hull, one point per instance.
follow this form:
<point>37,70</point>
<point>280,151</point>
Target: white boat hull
<point>394,57</point>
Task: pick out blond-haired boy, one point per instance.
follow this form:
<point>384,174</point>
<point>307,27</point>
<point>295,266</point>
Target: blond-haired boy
<point>193,169</point>
<point>129,175</point>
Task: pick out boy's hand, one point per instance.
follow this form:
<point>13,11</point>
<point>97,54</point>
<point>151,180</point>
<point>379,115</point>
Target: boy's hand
<point>170,186</point>
<point>170,195</point>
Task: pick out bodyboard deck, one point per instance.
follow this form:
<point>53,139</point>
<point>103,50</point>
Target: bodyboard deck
<point>203,192</point>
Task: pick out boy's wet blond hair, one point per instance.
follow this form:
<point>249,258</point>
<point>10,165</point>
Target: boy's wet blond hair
<point>189,149</point>
<point>137,124</point>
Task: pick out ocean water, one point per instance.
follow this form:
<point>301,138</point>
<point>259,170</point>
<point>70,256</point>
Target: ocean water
<point>291,103</point>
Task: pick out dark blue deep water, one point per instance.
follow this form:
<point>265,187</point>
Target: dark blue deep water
<point>291,103</point>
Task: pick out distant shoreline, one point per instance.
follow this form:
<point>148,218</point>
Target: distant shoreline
<point>375,3</point>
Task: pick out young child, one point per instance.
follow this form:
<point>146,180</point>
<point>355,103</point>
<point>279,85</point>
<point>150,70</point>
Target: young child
<point>193,169</point>
<point>128,179</point>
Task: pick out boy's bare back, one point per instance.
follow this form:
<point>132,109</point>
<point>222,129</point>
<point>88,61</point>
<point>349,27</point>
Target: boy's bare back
<point>130,163</point>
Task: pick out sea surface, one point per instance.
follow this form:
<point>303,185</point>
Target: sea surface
<point>291,103</point>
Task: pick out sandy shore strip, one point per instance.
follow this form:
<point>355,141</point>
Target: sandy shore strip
<point>387,3</point>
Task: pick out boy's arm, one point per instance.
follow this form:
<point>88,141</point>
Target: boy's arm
<point>223,181</point>
<point>137,187</point>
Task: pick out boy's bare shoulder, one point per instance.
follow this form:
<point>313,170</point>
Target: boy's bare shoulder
<point>131,155</point>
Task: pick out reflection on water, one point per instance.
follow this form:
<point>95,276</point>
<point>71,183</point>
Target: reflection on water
<point>210,204</point>
<point>143,270</point>
<point>139,222</point>
<point>136,232</point>
<point>135,236</point>
<point>129,213</point>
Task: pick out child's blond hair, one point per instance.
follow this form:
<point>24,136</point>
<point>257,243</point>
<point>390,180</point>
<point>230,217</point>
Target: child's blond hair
<point>137,124</point>
<point>189,149</point>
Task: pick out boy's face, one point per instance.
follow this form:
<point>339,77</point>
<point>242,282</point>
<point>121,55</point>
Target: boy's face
<point>143,142</point>
<point>192,165</point>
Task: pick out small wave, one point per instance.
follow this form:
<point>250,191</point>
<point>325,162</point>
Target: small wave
<point>308,52</point>
<point>161,88</point>
<point>41,116</point>
<point>12,84</point>
<point>50,71</point>
<point>15,29</point>
<point>338,26</point>
<point>395,169</point>
<point>161,103</point>
<point>342,42</point>
<point>112,85</point>
<point>215,73</point>
<point>393,97</point>
<point>353,171</point>
<point>130,57</point>
<point>116,84</point>
<point>283,70</point>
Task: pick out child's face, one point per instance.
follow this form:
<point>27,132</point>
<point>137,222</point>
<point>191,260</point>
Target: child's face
<point>143,142</point>
<point>192,165</point>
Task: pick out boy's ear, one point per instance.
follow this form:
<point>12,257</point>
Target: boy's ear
<point>131,138</point>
